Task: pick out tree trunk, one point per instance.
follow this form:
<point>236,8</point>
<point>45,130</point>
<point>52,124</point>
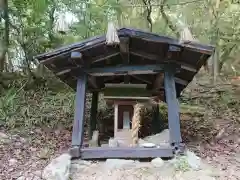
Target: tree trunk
<point>51,23</point>
<point>5,44</point>
<point>147,13</point>
<point>215,65</point>
<point>216,53</point>
<point>167,20</point>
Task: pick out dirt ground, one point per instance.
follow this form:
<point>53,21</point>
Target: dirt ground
<point>20,157</point>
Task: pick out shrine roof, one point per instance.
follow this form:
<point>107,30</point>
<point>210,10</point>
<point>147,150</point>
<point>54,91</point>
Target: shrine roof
<point>143,53</point>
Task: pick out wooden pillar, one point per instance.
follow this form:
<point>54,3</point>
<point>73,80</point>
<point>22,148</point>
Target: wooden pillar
<point>115,119</point>
<point>78,124</point>
<point>173,106</point>
<point>93,118</point>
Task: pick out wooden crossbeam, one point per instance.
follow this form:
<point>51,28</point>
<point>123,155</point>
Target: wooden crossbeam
<point>104,56</point>
<point>98,85</point>
<point>141,79</point>
<point>157,58</point>
<point>124,70</point>
<point>93,60</point>
<point>65,71</point>
<point>108,152</point>
<point>180,81</point>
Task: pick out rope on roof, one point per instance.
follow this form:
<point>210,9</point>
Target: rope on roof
<point>112,36</point>
<point>186,35</point>
<point>61,25</point>
<point>183,28</point>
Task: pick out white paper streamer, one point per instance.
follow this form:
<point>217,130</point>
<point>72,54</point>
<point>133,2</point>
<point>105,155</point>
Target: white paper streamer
<point>112,36</point>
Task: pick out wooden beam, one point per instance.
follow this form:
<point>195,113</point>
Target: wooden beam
<point>75,71</point>
<point>104,57</point>
<point>97,85</point>
<point>68,70</point>
<point>158,81</point>
<point>127,152</point>
<point>121,102</point>
<point>65,71</point>
<point>124,70</point>
<point>145,55</point>
<point>188,68</point>
<point>54,58</point>
<point>141,86</point>
<point>142,79</point>
<point>72,70</point>
<point>93,60</point>
<point>78,124</point>
<point>180,81</point>
<point>93,82</point>
<point>75,55</point>
<point>157,58</point>
<point>88,45</point>
<point>127,97</point>
<point>115,119</point>
<point>120,73</point>
<point>124,45</point>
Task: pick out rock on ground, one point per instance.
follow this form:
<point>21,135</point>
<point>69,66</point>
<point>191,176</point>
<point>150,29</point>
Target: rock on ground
<point>157,162</point>
<point>4,138</point>
<point>159,138</point>
<point>193,160</point>
<point>157,169</point>
<point>29,178</point>
<point>58,169</point>
<point>119,163</point>
<point>185,167</point>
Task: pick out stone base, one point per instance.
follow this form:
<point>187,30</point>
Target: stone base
<point>123,137</point>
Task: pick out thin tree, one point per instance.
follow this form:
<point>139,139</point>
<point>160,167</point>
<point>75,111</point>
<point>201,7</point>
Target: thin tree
<point>5,42</point>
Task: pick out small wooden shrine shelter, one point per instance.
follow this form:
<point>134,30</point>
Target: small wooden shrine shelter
<point>163,65</point>
<point>123,97</point>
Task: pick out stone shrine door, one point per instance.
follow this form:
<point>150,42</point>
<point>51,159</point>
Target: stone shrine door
<point>126,120</point>
<point>125,114</point>
<point>122,122</point>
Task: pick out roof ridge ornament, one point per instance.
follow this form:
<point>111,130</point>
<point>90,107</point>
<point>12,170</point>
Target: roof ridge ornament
<point>112,35</point>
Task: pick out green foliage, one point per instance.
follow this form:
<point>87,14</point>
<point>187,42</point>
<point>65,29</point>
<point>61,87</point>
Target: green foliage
<point>181,164</point>
<point>7,106</point>
<point>19,108</point>
<point>33,23</point>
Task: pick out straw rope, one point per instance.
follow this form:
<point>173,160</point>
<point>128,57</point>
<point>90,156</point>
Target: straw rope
<point>136,123</point>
